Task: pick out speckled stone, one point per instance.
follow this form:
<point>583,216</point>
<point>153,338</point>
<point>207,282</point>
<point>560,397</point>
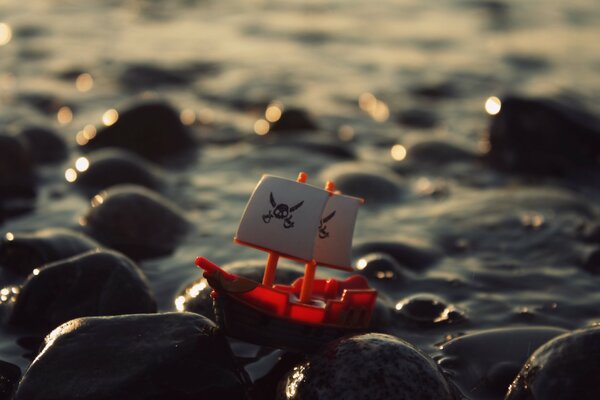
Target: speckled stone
<point>175,356</point>
<point>565,368</point>
<point>371,366</point>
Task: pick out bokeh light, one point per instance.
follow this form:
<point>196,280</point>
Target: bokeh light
<point>493,105</point>
<point>398,152</point>
<point>84,82</point>
<point>187,116</point>
<point>346,133</point>
<point>273,112</point>
<point>9,237</point>
<point>261,127</point>
<point>71,175</point>
<point>82,164</point>
<point>64,115</point>
<point>110,117</point>
<point>5,33</point>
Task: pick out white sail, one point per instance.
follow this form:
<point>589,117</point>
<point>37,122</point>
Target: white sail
<point>283,215</point>
<point>334,237</point>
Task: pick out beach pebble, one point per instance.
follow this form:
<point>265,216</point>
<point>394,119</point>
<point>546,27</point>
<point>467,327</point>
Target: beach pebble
<point>109,167</point>
<point>370,366</point>
<point>9,378</point>
<point>564,368</point>
<point>439,152</point>
<point>176,356</point>
<point>375,184</point>
<point>16,169</point>
<point>381,268</point>
<point>21,252</point>
<point>99,282</point>
<point>45,145</point>
<point>136,221</point>
<point>435,90</point>
<point>294,119</point>
<point>544,136</point>
<point>195,297</point>
<point>418,118</point>
<point>409,254</point>
<point>484,363</point>
<point>152,130</point>
<point>425,310</point>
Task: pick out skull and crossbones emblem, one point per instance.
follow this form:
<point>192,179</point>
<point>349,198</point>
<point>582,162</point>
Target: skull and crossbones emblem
<point>323,233</point>
<point>281,211</point>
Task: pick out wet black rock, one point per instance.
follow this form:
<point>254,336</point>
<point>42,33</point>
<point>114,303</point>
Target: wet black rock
<point>95,283</point>
<point>294,119</point>
<point>136,221</point>
<point>381,268</point>
<point>376,185</point>
<point>109,167</point>
<point>544,136</point>
<point>483,364</point>
<point>21,252</point>
<point>564,368</point>
<point>370,366</point>
<point>409,254</point>
<point>195,297</point>
<point>592,262</point>
<point>177,356</point>
<point>153,130</point>
<point>425,310</point>
<point>439,152</point>
<point>9,378</point>
<point>44,144</point>
<point>418,118</point>
<point>16,173</point>
<point>435,90</point>
<point>146,76</point>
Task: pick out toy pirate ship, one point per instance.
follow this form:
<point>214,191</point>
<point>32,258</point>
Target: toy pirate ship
<point>292,219</point>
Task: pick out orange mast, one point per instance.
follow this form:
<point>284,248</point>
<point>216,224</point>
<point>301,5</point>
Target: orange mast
<point>311,267</point>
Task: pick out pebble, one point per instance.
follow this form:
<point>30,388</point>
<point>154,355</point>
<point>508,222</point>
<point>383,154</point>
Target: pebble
<point>370,366</point>
<point>294,119</point>
<point>152,130</point>
<point>110,167</point>
<point>44,144</point>
<point>409,254</point>
<point>98,282</point>
<point>176,356</point>
<point>544,136</point>
<point>426,310</point>
<point>438,152</point>
<point>381,268</point>
<point>418,118</point>
<point>484,363</point>
<point>377,185</point>
<point>21,252</point>
<point>136,221</point>
<point>9,378</point>
<point>564,368</point>
<point>16,168</point>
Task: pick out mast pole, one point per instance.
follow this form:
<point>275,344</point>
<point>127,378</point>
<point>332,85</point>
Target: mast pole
<point>271,267</point>
<point>311,267</point>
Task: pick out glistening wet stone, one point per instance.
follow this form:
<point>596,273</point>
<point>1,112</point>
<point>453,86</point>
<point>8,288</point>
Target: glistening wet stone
<point>94,283</point>
<point>294,119</point>
<point>21,252</point>
<point>152,130</point>
<point>110,167</point>
<point>136,221</point>
<point>564,368</point>
<point>375,184</point>
<point>370,366</point>
<point>544,136</point>
<point>484,363</point>
<point>9,378</point>
<point>178,356</point>
<point>425,310</point>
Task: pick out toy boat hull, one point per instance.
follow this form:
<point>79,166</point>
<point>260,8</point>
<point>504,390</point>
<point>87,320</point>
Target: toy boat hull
<point>273,316</point>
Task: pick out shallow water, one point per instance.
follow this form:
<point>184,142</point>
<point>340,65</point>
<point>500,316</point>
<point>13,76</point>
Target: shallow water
<point>509,249</point>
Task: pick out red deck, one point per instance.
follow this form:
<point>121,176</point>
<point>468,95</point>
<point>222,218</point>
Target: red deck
<point>346,303</point>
